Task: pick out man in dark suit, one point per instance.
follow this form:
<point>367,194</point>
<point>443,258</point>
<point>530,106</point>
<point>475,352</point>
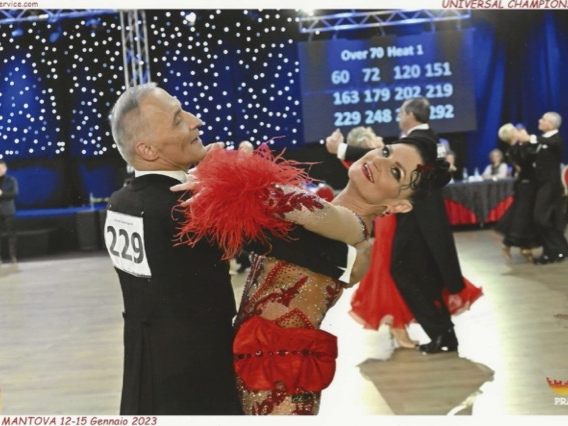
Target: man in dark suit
<point>178,300</point>
<point>548,208</point>
<point>424,258</point>
<point>8,193</point>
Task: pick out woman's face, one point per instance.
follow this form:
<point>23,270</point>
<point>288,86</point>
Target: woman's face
<point>383,174</point>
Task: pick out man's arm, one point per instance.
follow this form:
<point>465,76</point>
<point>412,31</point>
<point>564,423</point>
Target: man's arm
<point>554,142</point>
<point>353,153</point>
<point>335,144</point>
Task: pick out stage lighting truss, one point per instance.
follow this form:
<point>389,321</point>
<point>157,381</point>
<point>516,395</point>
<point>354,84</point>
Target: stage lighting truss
<point>136,57</point>
<point>378,19</point>
<point>14,16</point>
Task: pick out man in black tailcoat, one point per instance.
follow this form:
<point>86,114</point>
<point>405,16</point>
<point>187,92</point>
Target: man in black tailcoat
<point>178,300</point>
<point>548,208</point>
<point>424,258</point>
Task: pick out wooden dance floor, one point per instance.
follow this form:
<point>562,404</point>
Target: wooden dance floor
<point>61,343</point>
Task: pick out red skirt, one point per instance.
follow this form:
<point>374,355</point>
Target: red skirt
<point>377,299</point>
<point>300,358</point>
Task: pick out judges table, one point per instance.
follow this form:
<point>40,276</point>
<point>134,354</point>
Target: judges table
<point>478,203</point>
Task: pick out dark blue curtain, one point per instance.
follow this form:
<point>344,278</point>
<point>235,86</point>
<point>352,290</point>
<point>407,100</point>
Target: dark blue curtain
<point>489,63</point>
<point>521,60</point>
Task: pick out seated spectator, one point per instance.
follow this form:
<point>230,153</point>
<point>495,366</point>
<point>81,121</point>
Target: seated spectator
<point>497,169</point>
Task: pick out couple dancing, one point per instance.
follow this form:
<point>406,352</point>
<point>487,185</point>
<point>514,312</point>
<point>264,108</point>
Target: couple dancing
<point>535,218</point>
<point>179,305</point>
<point>415,273</point>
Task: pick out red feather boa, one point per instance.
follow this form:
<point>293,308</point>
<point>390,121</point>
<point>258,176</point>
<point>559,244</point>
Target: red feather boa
<point>237,200</point>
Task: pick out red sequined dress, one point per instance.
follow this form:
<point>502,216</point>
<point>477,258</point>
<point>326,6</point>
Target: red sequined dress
<point>282,359</point>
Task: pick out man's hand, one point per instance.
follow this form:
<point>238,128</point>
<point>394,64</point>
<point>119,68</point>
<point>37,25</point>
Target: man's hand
<point>332,141</point>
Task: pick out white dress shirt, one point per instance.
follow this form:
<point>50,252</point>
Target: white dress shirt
<point>175,174</point>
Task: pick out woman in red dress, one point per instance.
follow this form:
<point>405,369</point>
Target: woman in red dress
<point>282,358</point>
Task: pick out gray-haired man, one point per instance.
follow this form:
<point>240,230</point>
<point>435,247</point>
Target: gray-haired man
<point>178,300</point>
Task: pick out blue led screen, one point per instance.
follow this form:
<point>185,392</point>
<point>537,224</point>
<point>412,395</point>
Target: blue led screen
<point>348,83</point>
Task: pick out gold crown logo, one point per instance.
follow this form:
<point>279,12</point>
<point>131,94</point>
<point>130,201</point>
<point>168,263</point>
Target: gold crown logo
<point>559,387</point>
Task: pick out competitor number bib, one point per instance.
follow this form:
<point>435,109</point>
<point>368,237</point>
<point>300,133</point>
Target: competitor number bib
<point>124,240</point>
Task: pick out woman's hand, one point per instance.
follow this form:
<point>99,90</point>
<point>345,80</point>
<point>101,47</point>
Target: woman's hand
<point>191,182</point>
<point>213,146</point>
<point>189,185</point>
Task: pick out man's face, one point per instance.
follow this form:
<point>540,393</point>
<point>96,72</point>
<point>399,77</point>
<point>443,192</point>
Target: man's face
<point>405,120</point>
<point>3,169</point>
<point>173,132</point>
<point>544,124</point>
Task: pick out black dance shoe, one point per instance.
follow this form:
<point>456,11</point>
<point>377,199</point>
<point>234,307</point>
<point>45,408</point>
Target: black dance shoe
<point>546,259</point>
<point>446,342</point>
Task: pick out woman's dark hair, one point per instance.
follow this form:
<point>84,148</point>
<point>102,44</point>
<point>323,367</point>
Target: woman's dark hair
<point>433,174</point>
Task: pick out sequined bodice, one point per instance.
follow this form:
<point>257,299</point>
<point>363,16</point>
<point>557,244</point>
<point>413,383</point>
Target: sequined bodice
<point>289,295</point>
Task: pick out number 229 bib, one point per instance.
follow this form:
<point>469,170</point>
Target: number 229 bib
<point>124,239</point>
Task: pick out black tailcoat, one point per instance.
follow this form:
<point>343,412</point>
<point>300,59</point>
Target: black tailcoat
<point>178,323</point>
<point>548,211</point>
